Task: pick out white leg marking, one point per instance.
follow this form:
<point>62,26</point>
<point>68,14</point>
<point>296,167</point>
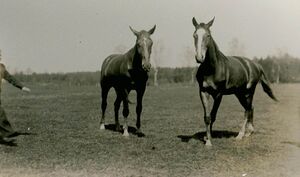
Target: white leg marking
<point>242,131</point>
<point>250,129</point>
<point>208,143</point>
<point>102,126</point>
<point>126,134</point>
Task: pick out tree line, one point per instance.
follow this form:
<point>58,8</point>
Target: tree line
<point>280,69</point>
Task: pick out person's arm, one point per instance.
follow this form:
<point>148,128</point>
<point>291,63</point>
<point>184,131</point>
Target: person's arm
<point>12,80</point>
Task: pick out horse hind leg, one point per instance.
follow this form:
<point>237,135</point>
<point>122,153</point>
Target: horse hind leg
<point>138,110</point>
<point>247,127</point>
<point>207,118</point>
<point>104,93</point>
<point>116,109</point>
<point>243,128</point>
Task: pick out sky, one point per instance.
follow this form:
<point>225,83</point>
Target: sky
<point>77,35</point>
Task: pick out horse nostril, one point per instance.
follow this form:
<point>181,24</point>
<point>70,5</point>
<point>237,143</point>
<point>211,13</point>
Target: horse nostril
<point>147,67</point>
<point>198,59</point>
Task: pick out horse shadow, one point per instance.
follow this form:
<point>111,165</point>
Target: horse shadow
<point>202,135</point>
<point>11,141</point>
<point>131,130</point>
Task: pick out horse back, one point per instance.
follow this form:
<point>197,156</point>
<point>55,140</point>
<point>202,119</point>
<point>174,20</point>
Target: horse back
<point>114,65</point>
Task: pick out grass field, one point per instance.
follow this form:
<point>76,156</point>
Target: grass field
<point>64,138</point>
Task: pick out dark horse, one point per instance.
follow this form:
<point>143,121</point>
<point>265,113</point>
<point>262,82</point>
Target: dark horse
<point>220,75</point>
<point>126,72</point>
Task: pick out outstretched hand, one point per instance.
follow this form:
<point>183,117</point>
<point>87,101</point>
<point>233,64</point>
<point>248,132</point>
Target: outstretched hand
<point>26,89</point>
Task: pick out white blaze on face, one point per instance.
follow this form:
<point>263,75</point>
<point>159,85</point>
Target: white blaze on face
<point>144,44</point>
<point>145,48</point>
<point>201,46</point>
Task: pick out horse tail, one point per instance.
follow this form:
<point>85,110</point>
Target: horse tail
<point>266,86</point>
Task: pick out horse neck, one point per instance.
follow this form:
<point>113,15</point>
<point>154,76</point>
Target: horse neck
<point>134,58</point>
<point>214,57</point>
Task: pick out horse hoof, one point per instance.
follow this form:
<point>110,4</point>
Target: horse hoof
<point>248,134</point>
<point>139,133</point>
<point>126,134</point>
<point>239,137</point>
<point>102,127</point>
<point>208,143</point>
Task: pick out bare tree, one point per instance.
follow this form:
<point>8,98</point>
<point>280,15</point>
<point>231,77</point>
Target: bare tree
<point>189,61</point>
<point>236,48</point>
<point>28,71</point>
<point>120,49</point>
<point>276,71</point>
<point>158,49</point>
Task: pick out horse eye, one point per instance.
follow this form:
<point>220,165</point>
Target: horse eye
<point>195,35</point>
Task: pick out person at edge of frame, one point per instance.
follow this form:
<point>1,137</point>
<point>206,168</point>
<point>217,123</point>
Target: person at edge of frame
<point>6,130</point>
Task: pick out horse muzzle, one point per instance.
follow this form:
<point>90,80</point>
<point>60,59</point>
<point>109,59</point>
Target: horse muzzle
<point>146,67</point>
<point>199,59</point>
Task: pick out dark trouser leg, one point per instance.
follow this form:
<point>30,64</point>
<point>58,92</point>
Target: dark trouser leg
<point>5,127</point>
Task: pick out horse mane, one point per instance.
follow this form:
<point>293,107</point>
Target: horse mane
<point>218,51</point>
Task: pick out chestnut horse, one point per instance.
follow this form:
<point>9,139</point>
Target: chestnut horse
<point>220,75</point>
<point>126,72</point>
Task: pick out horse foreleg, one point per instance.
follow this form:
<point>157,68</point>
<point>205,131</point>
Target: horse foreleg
<point>125,112</point>
<point>139,107</point>
<point>116,109</point>
<point>214,110</point>
<point>207,119</point>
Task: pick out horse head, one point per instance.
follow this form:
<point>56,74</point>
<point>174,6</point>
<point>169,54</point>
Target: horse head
<point>202,39</point>
<point>143,47</point>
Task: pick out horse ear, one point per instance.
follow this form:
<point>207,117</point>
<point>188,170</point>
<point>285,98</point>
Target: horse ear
<point>134,31</point>
<point>195,22</point>
<point>210,23</point>
<point>151,31</point>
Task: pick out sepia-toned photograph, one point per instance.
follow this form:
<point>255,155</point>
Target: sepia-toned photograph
<point>152,88</point>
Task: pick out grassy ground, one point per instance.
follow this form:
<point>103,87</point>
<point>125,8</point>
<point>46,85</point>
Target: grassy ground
<point>65,139</point>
